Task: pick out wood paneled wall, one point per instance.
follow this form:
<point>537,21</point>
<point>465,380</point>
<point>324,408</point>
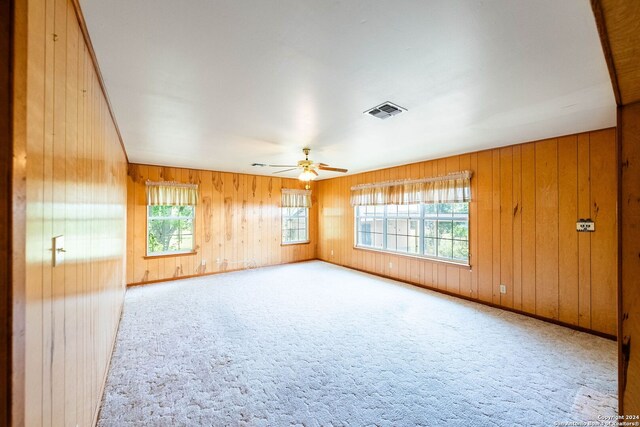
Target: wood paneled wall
<point>76,187</point>
<point>526,201</point>
<point>237,224</point>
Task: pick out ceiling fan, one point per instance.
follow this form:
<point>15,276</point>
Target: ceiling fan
<point>309,167</point>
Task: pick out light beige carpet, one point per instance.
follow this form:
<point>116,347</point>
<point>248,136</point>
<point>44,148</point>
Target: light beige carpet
<point>313,344</point>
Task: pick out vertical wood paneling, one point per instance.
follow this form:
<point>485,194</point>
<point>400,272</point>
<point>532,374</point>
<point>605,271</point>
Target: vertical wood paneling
<point>76,187</point>
<point>584,239</point>
<point>547,228</point>
<point>604,241</point>
<point>484,254</point>
<point>495,220</point>
<point>567,236</point>
<point>529,228</point>
<point>517,228</point>
<point>506,225</point>
<point>525,202</point>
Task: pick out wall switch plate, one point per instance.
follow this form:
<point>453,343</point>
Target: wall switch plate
<point>204,262</point>
<point>390,265</point>
<point>58,250</point>
<point>503,289</point>
<point>585,225</point>
<point>331,252</point>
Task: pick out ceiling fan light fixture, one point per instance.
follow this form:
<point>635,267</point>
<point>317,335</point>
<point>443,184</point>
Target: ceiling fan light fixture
<point>306,176</point>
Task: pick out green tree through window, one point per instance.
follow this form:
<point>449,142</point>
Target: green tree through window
<point>170,229</point>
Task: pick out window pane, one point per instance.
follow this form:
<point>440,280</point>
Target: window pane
<point>445,229</point>
<point>414,229</point>
<point>461,208</point>
<point>378,240</point>
<point>402,226</point>
<point>430,209</point>
<point>365,239</point>
<point>414,210</point>
<point>402,244</point>
<point>445,248</point>
<point>460,250</point>
<point>379,226</point>
<point>403,210</point>
<point>391,226</point>
<point>445,209</point>
<point>430,228</point>
<point>430,247</point>
<point>392,210</point>
<point>379,210</point>
<point>460,230</point>
<point>391,242</point>
<point>413,245</point>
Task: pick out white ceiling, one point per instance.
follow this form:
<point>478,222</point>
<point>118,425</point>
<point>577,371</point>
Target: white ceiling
<point>222,84</point>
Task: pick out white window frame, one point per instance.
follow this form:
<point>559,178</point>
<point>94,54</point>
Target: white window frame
<point>421,217</point>
<point>285,216</point>
<point>156,218</point>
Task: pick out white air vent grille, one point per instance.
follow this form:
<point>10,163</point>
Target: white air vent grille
<point>385,110</point>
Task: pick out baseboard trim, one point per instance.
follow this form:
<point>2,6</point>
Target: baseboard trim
<point>489,304</point>
<point>96,414</point>
<point>211,273</point>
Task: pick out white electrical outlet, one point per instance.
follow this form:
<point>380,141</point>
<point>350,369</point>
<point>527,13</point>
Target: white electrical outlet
<point>503,289</point>
<point>331,252</point>
<point>390,265</point>
<point>204,262</point>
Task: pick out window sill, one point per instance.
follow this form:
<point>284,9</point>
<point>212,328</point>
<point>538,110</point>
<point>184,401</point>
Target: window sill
<point>423,258</point>
<point>296,243</point>
<point>170,255</point>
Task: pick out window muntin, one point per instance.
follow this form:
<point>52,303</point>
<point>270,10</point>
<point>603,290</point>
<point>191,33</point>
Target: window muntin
<point>439,230</point>
<point>170,229</point>
<point>295,225</point>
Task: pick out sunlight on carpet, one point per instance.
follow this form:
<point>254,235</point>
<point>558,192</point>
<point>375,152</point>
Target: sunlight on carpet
<point>315,344</point>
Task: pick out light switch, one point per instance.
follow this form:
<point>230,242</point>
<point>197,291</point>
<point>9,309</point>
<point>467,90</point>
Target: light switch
<point>58,250</point>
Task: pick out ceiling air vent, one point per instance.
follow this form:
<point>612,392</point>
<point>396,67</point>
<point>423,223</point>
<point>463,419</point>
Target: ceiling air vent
<point>385,110</point>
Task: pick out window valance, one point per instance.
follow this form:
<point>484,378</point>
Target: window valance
<point>451,188</point>
<point>292,198</point>
<point>171,193</point>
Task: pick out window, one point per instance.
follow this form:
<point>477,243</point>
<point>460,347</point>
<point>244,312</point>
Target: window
<point>170,229</point>
<point>434,230</point>
<point>295,225</point>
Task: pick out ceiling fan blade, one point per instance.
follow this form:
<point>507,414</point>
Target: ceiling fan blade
<point>283,166</point>
<point>313,172</point>
<point>327,168</point>
<point>286,170</point>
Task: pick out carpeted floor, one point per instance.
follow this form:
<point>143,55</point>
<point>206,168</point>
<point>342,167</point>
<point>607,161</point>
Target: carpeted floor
<point>313,344</point>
